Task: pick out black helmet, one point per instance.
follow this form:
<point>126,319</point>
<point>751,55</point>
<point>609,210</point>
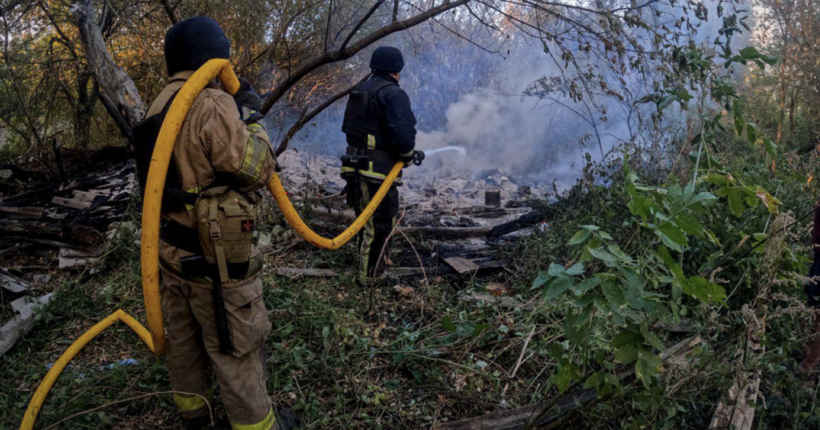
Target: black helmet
<point>387,59</point>
<point>191,43</point>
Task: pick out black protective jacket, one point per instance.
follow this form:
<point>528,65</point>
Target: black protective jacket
<point>391,133</point>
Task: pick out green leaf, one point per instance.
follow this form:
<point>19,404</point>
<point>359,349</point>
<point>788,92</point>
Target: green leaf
<point>602,255</point>
<point>627,354</point>
<point>568,373</point>
<point>447,324</point>
<point>647,366</point>
<point>665,102</point>
<point>736,201</point>
<point>614,295</point>
<point>771,148</point>
<point>575,269</point>
<point>575,329</point>
<point>699,288</point>
<point>760,236</point>
<point>651,338</point>
<point>541,279</point>
<point>689,224</point>
<point>640,206</point>
<point>623,338</point>
<point>750,53</point>
<point>673,266</point>
<point>557,287</point>
<point>556,270</point>
<point>580,237</point>
<point>586,284</point>
<point>751,133</point>
<point>672,236</point>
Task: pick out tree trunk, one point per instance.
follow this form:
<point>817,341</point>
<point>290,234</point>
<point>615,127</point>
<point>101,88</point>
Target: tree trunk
<point>86,100</point>
<point>116,85</point>
<point>791,114</point>
<point>782,101</point>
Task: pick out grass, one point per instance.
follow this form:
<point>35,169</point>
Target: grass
<point>343,357</point>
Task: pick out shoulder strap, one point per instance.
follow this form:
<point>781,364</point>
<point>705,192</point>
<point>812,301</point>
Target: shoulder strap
<point>378,87</point>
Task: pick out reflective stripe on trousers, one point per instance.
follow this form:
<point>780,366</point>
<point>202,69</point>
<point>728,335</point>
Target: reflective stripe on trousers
<point>268,423</point>
<point>191,403</point>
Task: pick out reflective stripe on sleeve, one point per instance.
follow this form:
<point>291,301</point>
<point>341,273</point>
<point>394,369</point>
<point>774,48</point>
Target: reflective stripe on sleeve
<point>265,424</point>
<point>255,155</point>
<point>371,141</point>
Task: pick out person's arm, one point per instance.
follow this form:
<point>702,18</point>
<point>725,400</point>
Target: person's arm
<point>401,122</point>
<point>243,151</point>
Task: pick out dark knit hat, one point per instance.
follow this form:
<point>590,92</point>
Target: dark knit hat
<point>387,59</point>
<point>191,43</point>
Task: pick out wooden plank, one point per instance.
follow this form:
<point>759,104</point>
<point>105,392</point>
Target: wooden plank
<point>12,283</point>
<point>30,212</point>
<point>737,410</point>
<point>89,196</point>
<point>71,203</point>
<point>448,232</point>
<point>461,265</point>
<point>11,332</point>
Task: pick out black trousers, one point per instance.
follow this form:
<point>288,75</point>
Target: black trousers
<point>372,241</point>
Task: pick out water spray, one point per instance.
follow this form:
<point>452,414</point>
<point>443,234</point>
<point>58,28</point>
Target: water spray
<point>458,149</point>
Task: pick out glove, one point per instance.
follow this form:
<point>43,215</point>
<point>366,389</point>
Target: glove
<point>248,102</point>
<point>416,158</point>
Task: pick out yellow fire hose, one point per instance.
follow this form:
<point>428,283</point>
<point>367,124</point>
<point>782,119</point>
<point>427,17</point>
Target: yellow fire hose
<point>154,336</point>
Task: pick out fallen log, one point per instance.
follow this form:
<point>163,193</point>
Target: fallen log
<point>516,419</point>
<point>79,234</point>
<point>522,222</point>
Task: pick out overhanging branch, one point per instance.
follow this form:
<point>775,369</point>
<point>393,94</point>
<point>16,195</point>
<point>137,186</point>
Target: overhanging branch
<point>343,54</point>
<point>312,114</point>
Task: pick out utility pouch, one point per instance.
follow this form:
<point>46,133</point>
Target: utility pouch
<point>226,221</point>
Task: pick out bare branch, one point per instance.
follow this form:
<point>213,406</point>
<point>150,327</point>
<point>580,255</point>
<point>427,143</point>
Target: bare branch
<point>310,115</point>
<point>171,11</point>
<point>360,23</point>
<point>343,54</point>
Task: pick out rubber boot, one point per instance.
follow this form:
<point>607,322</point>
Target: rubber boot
<point>286,419</point>
<point>199,423</point>
<point>812,349</point>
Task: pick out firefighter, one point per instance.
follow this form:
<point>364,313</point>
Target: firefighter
<point>212,293</point>
<point>812,349</point>
<point>380,128</point>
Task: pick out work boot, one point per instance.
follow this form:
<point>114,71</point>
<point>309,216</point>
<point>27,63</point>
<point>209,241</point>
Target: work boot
<point>199,423</point>
<point>812,349</point>
<point>286,419</point>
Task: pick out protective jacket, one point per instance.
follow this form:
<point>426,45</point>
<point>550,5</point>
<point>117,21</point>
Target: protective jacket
<point>379,123</point>
<point>214,148</point>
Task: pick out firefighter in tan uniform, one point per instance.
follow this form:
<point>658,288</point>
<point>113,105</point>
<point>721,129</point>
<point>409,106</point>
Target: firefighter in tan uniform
<point>212,294</point>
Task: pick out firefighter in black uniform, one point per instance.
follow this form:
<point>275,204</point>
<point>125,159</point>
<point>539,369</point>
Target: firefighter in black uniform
<point>381,131</point>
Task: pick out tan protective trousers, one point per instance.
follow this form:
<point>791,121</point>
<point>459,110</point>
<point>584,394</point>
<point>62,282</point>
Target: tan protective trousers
<point>193,350</point>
